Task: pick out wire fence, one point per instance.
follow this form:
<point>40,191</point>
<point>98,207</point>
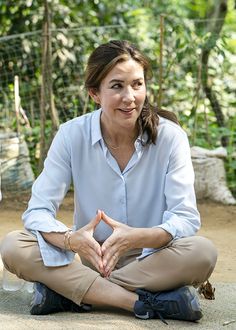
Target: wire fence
<point>21,55</point>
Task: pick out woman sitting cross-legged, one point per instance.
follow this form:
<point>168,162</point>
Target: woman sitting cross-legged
<point>133,243</point>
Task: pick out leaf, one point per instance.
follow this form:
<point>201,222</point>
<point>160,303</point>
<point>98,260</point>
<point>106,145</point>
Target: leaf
<point>207,290</point>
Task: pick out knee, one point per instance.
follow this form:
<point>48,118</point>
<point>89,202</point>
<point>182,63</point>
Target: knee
<point>9,248</point>
<point>205,254</point>
<point>208,249</point>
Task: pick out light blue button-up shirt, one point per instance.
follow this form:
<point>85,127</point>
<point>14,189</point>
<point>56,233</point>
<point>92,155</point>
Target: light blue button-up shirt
<point>155,188</point>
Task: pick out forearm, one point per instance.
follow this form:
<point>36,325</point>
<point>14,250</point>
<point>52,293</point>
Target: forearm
<point>149,238</point>
<point>56,239</point>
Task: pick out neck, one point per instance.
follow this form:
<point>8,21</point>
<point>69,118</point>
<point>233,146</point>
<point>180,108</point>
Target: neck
<point>118,138</point>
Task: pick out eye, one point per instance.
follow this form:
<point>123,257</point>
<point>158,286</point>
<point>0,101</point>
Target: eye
<point>116,86</point>
<point>138,84</point>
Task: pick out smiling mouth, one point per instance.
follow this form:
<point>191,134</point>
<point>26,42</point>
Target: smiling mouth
<point>127,110</point>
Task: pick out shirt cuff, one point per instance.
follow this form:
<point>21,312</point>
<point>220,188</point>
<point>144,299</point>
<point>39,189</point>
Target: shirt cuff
<point>53,256</point>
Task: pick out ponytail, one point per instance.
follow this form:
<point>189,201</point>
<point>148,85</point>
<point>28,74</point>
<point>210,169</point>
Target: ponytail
<point>149,121</point>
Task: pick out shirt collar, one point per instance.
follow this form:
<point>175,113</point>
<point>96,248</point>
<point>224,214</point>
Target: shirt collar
<point>96,128</point>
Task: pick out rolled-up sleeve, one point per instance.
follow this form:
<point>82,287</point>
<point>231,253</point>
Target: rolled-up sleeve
<point>48,192</point>
<point>181,218</point>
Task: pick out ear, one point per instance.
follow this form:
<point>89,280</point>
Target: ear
<point>93,92</point>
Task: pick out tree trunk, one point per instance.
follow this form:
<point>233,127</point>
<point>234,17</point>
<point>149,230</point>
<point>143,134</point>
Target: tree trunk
<point>214,27</point>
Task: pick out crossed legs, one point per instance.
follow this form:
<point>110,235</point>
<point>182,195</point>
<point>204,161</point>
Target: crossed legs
<point>187,261</point>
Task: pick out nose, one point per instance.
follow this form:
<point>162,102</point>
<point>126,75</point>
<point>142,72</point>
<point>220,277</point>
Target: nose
<point>128,95</point>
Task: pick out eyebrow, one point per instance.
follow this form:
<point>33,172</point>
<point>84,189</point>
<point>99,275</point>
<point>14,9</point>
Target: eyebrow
<point>120,81</point>
<point>115,81</point>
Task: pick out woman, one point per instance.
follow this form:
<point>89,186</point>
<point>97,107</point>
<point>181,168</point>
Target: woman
<point>135,212</point>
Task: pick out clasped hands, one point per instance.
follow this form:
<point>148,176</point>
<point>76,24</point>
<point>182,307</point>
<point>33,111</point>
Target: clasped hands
<point>103,257</point>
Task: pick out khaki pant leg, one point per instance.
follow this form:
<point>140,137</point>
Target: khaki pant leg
<point>21,256</point>
<point>186,261</point>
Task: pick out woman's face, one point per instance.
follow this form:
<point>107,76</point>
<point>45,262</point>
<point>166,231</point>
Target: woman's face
<point>122,94</point>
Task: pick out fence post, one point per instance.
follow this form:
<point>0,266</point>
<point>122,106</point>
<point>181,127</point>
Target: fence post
<point>46,97</point>
<point>42,92</point>
<point>52,108</point>
<point>159,98</point>
<point>17,103</point>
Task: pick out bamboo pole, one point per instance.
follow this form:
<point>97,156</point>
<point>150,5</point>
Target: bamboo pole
<point>160,78</point>
<point>195,100</point>
<point>42,92</point>
<point>46,97</point>
<point>17,103</point>
<point>53,112</point>
<point>32,113</point>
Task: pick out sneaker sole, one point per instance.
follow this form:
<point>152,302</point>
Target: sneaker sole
<point>189,297</point>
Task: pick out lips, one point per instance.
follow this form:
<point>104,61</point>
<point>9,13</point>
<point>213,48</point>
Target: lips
<point>127,110</point>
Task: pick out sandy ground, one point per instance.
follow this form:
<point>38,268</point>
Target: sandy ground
<point>218,314</point>
<point>218,224</point>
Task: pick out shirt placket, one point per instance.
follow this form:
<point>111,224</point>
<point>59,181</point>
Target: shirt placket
<point>122,189</point>
<point>123,199</point>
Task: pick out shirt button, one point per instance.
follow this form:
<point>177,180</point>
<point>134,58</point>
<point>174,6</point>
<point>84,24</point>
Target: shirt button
<point>122,201</point>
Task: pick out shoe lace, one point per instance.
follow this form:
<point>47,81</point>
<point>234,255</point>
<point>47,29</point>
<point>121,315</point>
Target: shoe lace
<point>161,318</point>
<point>152,301</point>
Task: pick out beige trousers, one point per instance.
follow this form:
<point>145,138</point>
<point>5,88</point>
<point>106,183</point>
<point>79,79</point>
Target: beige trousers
<point>186,261</point>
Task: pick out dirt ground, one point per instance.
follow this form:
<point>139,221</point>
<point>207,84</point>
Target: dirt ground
<point>218,224</point>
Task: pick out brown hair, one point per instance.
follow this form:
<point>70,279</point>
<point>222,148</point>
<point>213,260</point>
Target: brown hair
<point>103,59</point>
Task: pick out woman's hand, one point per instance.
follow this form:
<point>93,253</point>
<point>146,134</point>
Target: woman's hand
<point>120,241</point>
<point>83,242</point>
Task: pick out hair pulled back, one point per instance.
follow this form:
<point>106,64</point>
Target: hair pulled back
<point>102,61</point>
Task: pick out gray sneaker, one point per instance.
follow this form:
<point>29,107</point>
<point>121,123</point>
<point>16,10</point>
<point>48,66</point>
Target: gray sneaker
<point>179,304</point>
<point>46,301</point>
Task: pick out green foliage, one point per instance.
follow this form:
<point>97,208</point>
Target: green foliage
<point>32,137</point>
<point>79,26</point>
